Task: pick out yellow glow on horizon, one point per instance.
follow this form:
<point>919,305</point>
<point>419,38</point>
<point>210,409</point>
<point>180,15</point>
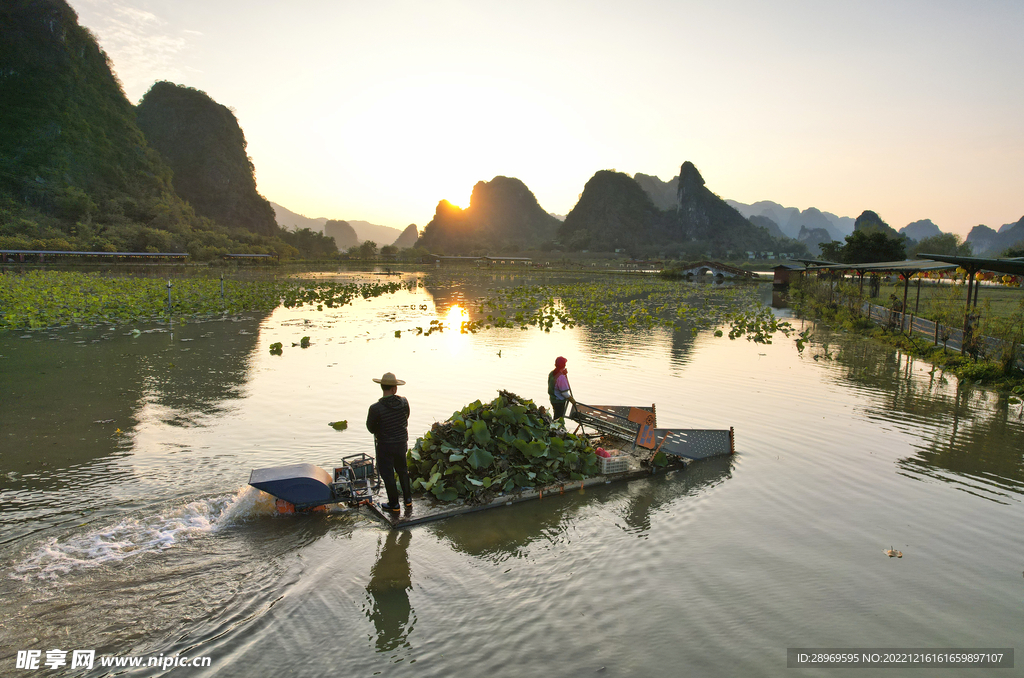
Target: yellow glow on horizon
<point>382,129</point>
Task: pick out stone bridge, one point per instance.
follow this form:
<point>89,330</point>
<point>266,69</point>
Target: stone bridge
<point>717,269</point>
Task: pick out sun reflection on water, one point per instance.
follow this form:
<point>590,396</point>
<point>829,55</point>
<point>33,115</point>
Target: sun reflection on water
<point>455,338</point>
<point>455,317</point>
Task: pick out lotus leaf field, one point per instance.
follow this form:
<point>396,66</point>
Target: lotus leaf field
<point>630,305</point>
<point>42,299</point>
<point>500,446</point>
<point>39,299</point>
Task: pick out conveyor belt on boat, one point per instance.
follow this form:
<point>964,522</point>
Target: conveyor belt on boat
<point>639,425</point>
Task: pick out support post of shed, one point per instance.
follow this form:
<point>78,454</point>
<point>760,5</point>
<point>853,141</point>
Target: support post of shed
<point>906,288</point>
<point>967,312</point>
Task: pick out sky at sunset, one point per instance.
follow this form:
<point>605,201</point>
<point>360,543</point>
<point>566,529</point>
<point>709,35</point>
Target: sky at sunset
<point>377,110</point>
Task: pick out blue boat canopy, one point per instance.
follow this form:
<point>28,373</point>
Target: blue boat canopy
<point>300,484</point>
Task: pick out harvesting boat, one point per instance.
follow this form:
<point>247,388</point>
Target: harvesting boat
<point>629,443</point>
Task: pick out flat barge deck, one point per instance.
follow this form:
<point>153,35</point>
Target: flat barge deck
<point>628,435</point>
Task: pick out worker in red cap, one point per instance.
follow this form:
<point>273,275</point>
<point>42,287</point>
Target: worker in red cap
<point>559,392</point>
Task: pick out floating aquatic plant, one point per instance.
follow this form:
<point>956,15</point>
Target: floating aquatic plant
<point>39,299</point>
<point>624,304</point>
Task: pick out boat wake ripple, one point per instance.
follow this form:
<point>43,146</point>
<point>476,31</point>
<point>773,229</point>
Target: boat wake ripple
<point>140,534</point>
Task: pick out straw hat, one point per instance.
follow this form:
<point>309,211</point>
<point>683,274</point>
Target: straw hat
<point>389,380</point>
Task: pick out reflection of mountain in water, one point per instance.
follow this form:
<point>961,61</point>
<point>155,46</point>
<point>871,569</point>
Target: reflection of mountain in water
<point>448,291</point>
<point>210,365</point>
<point>68,391</point>
<point>466,288</point>
<point>974,434</point>
<point>611,344</point>
<point>682,346</point>
<point>504,532</point>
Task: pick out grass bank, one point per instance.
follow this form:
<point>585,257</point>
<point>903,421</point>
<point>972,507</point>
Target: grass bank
<point>1000,315</point>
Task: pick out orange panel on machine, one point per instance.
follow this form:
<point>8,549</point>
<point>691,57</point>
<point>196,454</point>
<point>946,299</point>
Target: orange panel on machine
<point>645,437</point>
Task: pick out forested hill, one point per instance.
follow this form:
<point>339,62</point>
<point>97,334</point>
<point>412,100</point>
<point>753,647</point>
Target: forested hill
<point>342,232</point>
<point>408,238</point>
<point>70,150</point>
<point>76,171</point>
<point>202,142</point>
<point>612,213</point>
<point>503,215</point>
<point>616,211</point>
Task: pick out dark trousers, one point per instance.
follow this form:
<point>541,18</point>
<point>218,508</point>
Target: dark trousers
<point>559,408</point>
<point>391,460</point>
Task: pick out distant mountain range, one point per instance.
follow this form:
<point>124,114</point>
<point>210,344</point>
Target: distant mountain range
<point>293,221</point>
<point>792,219</point>
<point>989,242</point>
<point>788,219</point>
<point>623,213</point>
<point>919,230</point>
<point>813,226</point>
<point>82,169</point>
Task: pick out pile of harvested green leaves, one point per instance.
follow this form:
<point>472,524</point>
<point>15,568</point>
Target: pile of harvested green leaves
<point>497,447</point>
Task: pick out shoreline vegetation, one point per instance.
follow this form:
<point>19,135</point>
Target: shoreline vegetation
<point>838,303</point>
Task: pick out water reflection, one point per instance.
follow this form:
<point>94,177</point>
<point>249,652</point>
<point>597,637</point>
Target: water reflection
<point>663,490</point>
<point>76,400</point>
<point>759,558</point>
<point>976,446</point>
<point>506,532</point>
<point>66,381</point>
<point>448,293</point>
<point>967,436</point>
<point>388,590</point>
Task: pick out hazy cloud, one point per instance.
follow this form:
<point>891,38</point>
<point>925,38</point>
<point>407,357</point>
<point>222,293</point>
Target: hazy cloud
<point>141,44</point>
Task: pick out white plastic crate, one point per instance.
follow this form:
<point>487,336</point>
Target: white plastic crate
<point>613,464</point>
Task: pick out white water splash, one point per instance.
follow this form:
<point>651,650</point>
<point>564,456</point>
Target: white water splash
<point>137,535</point>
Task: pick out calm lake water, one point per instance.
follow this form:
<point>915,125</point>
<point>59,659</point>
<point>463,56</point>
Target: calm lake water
<point>127,526</point>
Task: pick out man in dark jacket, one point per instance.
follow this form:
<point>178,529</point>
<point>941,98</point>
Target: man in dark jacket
<point>388,421</point>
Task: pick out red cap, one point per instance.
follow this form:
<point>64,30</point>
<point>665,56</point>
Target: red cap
<point>559,362</point>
